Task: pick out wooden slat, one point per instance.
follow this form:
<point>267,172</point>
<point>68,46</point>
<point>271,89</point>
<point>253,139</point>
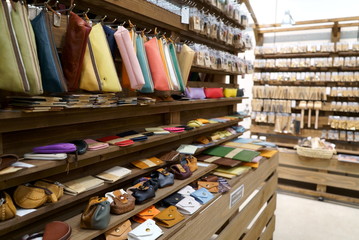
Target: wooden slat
<point>293,55</point>
<point>212,84</point>
<point>315,27</point>
<point>211,71</point>
<point>307,69</point>
<point>321,187</point>
<point>268,233</point>
<point>345,182</point>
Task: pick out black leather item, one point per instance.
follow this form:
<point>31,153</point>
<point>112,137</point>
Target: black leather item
<point>81,146</point>
<point>143,193</point>
<point>163,177</point>
<point>240,92</point>
<point>147,182</point>
<point>186,127</point>
<point>172,200</point>
<point>128,133</point>
<point>148,133</point>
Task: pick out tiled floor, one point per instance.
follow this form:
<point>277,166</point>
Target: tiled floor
<point>300,218</point>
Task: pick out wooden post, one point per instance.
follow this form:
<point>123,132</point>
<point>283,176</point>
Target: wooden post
<point>320,187</point>
<point>175,118</point>
<point>335,33</point>
<point>1,145</point>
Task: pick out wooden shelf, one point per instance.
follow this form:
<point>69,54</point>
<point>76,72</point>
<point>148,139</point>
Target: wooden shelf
<point>306,69</point>
<point>306,83</point>
<point>308,55</point>
<point>213,71</point>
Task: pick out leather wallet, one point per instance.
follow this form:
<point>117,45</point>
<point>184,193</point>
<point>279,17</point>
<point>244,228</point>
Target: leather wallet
<point>172,200</point>
<point>43,156</point>
<point>114,174</point>
<point>202,195</point>
<point>186,191</point>
<point>147,163</point>
<point>210,178</point>
<point>210,186</point>
<point>148,213</point>
<point>94,145</point>
<point>227,162</point>
<point>119,232</point>
<point>188,205</point>
<point>83,184</point>
<point>169,156</point>
<point>146,231</point>
<point>169,217</point>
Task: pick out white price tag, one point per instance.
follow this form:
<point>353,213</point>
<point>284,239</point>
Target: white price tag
<point>185,15</point>
<point>236,195</point>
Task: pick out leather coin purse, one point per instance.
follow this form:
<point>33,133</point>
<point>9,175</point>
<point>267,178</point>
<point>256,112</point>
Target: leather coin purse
<point>57,231</point>
<point>142,193</point>
<point>169,217</point>
<point>119,232</point>
<point>210,186</point>
<point>148,213</point>
<point>172,200</point>
<point>202,195</point>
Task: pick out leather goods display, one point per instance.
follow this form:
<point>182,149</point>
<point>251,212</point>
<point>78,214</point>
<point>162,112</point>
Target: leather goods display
<point>186,191</point>
<point>172,200</point>
<point>81,146</point>
<point>26,41</point>
<point>55,187</point>
<point>163,177</point>
<point>129,58</point>
<point>169,217</point>
<point>53,80</point>
<point>48,156</point>
<point>119,232</point>
<point>188,205</point>
<point>233,153</point>
<point>110,36</point>
<point>56,148</point>
<point>230,92</point>
<point>142,59</point>
<point>192,163</point>
<point>195,93</point>
<point>158,72</point>
<point>210,186</point>
<point>176,66</point>
<point>94,145</point>
<point>114,174</point>
<point>202,195</point>
<point>181,171</point>
<point>147,163</point>
<point>169,156</point>
<point>142,193</point>
<point>122,202</point>
<point>13,69</point>
<point>146,231</point>
<point>83,184</point>
<point>28,196</point>
<point>148,213</point>
<point>98,71</point>
<point>7,207</point>
<point>96,214</point>
<point>6,160</point>
<point>57,230</point>
<point>73,51</point>
<point>185,59</point>
<point>213,92</point>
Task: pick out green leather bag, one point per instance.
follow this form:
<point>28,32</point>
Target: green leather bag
<point>12,71</point>
<point>176,66</point>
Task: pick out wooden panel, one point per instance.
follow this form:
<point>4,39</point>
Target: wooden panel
<point>211,84</point>
<point>205,113</point>
<point>1,144</point>
<point>268,233</point>
<point>319,178</point>
<point>211,71</point>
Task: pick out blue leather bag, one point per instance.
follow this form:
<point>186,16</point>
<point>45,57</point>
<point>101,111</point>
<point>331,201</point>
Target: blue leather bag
<point>111,40</point>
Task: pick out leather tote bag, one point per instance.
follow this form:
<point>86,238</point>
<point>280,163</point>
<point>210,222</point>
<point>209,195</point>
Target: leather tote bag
<point>142,59</point>
<point>185,59</point>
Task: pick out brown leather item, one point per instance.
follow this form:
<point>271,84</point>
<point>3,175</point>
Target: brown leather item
<point>7,159</point>
<point>32,197</point>
<point>122,203</point>
<point>7,207</point>
<point>192,163</point>
<point>227,162</point>
<point>73,52</point>
<point>54,188</point>
<point>57,231</point>
<point>148,213</point>
<point>119,232</point>
<point>210,186</point>
<point>169,217</point>
<point>170,156</point>
<point>210,178</point>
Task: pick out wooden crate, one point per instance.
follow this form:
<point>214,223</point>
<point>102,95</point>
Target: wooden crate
<point>322,178</point>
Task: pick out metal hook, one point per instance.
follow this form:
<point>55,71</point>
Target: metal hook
<point>102,19</point>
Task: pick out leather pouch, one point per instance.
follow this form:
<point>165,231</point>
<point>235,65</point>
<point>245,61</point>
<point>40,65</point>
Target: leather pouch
<point>6,160</point>
<point>230,92</point>
<point>181,171</point>
<point>74,48</point>
<point>81,146</point>
<point>96,214</point>
<point>142,59</point>
<point>148,213</point>
<point>213,92</point>
<point>7,207</point>
<point>146,231</point>
<point>55,187</point>
<point>169,217</point>
<point>142,193</point>
<point>202,195</point>
<point>122,203</point>
<point>110,36</point>
<point>147,163</point>
<point>210,186</point>
<point>176,66</point>
<point>195,93</point>
<point>57,231</point>
<point>56,148</point>
<point>188,205</point>
<point>172,200</point>
<point>27,196</point>
<point>192,163</point>
<point>119,232</point>
<point>163,177</point>
<point>186,191</point>
<point>170,156</point>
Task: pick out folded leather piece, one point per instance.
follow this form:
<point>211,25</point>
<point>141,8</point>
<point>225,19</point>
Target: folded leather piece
<point>43,156</point>
<point>114,174</point>
<point>148,213</point>
<point>94,145</point>
<point>210,178</point>
<point>202,195</point>
<point>96,214</point>
<point>169,156</point>
<point>147,163</point>
<point>169,217</point>
<point>146,231</point>
<point>195,93</point>
<point>210,186</point>
<point>7,206</point>
<point>188,205</point>
<point>119,232</point>
<point>172,199</point>
<point>6,160</point>
<point>142,59</point>
<point>234,171</point>
<point>57,231</point>
<point>213,92</point>
<point>227,162</point>
<point>73,51</point>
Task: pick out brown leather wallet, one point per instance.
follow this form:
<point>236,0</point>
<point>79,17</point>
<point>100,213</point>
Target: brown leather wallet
<point>227,162</point>
<point>169,217</point>
<point>210,186</point>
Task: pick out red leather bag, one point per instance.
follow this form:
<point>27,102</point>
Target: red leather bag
<point>214,92</point>
<point>73,52</point>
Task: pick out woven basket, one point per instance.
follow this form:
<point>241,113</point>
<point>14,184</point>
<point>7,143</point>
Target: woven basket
<point>315,153</point>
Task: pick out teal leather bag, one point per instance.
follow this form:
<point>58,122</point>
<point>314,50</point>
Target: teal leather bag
<point>176,66</point>
<point>142,59</point>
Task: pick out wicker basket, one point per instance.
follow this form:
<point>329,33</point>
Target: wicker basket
<point>315,153</point>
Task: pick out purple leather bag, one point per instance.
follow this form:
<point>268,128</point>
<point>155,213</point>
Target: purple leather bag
<point>195,93</point>
<point>56,148</point>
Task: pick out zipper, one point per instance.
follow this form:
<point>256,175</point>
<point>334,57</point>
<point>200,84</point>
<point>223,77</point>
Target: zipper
<point>54,52</point>
<point>16,48</point>
<point>93,61</point>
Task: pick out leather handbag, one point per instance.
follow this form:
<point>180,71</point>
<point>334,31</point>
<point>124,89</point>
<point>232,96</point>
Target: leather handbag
<point>195,93</point>
<point>171,69</point>
<point>210,186</point>
<point>192,163</point>
<point>26,41</point>
<point>96,214</point>
<point>188,205</point>
<point>6,160</point>
<point>7,207</point>
<point>119,232</point>
<point>158,72</point>
<point>230,92</point>
<point>148,230</point>
<point>73,51</point>
<point>28,196</point>
<point>148,213</point>
<point>202,195</point>
<point>172,200</point>
<point>129,58</point>
<point>142,59</point>
<point>163,177</point>
<point>55,187</point>
<point>110,36</point>
<point>181,171</point>
<point>122,203</point>
<point>169,156</point>
<point>81,146</point>
<point>142,193</point>
<point>186,191</point>
<point>57,231</point>
<point>213,92</point>
<point>53,80</point>
<point>98,71</point>
<point>185,60</point>
<point>169,217</point>
<point>176,66</point>
<point>56,148</point>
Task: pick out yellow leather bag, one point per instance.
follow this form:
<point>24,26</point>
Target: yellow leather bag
<point>98,70</point>
<point>185,59</point>
<point>7,207</point>
<point>230,92</point>
<point>55,188</point>
<point>27,196</point>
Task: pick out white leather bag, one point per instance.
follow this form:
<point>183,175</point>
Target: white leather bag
<point>188,205</point>
<point>186,191</point>
<point>146,231</point>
